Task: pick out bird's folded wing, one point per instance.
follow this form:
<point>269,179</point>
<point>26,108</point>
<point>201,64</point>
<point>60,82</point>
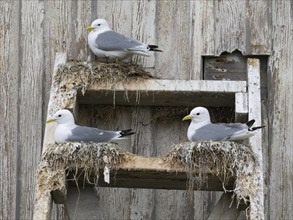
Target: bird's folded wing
<point>112,41</point>
<point>82,133</point>
<point>216,132</point>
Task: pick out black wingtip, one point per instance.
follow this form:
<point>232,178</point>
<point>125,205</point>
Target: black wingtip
<point>255,128</point>
<point>250,123</point>
<point>154,48</point>
<point>126,132</point>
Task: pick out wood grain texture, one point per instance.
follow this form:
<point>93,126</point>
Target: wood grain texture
<point>254,108</point>
<point>224,209</point>
<point>185,30</point>
<point>152,92</point>
<point>230,25</point>
<point>9,78</point>
<point>280,114</point>
<point>30,100</point>
<point>174,37</point>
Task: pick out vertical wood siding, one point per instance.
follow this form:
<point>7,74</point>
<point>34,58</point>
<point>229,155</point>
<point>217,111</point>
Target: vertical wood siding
<point>280,152</point>
<point>9,82</point>
<point>33,31</point>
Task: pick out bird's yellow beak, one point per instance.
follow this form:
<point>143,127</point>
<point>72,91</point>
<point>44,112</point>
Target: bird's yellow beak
<point>90,28</point>
<point>187,117</point>
<point>50,120</point>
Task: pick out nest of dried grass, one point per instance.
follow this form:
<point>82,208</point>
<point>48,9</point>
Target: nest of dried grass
<point>85,158</point>
<point>225,159</point>
<point>79,75</point>
<point>76,75</point>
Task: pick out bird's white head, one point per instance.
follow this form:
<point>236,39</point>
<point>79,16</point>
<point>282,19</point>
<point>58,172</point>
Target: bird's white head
<point>99,25</point>
<point>198,115</point>
<point>62,116</point>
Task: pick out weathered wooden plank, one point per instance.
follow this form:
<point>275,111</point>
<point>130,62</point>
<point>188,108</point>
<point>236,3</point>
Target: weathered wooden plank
<point>258,30</point>
<point>163,93</point>
<point>237,25</point>
<point>43,201</point>
<point>84,203</point>
<point>144,172</point>
<point>145,30</point>
<point>229,27</point>
<point>197,12</point>
<point>225,209</point>
<point>174,37</point>
<point>254,107</point>
<point>142,201</point>
<point>157,85</point>
<point>241,107</point>
<point>81,18</point>
<point>9,112</point>
<point>31,101</point>
<point>280,113</point>
<point>205,16</point>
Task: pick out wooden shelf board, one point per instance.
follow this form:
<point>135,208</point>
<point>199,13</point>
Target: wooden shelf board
<point>157,92</point>
<point>144,172</point>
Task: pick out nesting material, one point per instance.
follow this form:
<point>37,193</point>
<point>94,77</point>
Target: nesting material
<point>79,75</point>
<point>76,75</point>
<point>86,158</point>
<point>224,159</point>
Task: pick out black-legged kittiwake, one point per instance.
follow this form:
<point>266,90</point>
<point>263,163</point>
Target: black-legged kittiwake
<point>68,131</point>
<point>106,43</point>
<point>201,128</point>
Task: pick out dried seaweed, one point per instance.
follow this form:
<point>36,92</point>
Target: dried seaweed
<point>226,160</point>
<point>79,75</point>
<point>76,75</point>
<point>223,159</point>
<point>86,158</point>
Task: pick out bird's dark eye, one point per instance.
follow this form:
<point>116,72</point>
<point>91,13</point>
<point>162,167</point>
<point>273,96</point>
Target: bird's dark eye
<point>197,113</point>
<point>59,116</point>
<point>99,24</point>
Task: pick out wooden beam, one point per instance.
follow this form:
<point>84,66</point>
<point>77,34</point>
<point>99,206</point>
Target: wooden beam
<point>241,107</point>
<point>160,92</point>
<point>254,103</point>
<point>43,200</point>
<point>144,172</point>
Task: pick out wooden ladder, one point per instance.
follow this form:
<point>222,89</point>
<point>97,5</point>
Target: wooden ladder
<point>247,102</point>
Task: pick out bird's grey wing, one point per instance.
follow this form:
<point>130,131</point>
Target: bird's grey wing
<point>215,132</point>
<point>235,125</point>
<point>86,134</point>
<point>112,41</point>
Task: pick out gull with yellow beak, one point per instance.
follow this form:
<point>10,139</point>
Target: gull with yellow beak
<point>108,44</point>
<point>201,128</point>
<point>68,131</point>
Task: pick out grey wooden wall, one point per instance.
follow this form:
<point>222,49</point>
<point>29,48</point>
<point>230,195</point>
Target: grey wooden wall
<point>33,31</point>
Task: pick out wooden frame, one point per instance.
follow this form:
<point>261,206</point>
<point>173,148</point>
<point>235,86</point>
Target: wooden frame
<point>245,96</point>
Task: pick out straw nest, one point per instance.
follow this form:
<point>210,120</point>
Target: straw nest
<point>224,159</point>
<point>86,158</point>
<point>76,75</point>
<point>227,160</point>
